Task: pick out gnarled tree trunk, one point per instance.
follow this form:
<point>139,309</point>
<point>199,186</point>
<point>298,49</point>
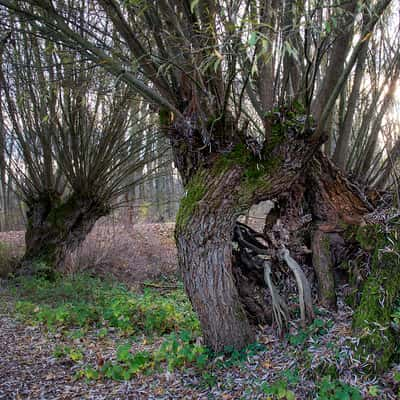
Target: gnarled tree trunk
<point>56,226</point>
<point>223,186</point>
<point>204,240</point>
<point>223,181</point>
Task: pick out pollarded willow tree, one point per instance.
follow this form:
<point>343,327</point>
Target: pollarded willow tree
<point>245,91</point>
<point>77,143</point>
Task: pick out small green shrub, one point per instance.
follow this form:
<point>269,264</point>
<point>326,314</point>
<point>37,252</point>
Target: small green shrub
<point>329,389</point>
<point>396,317</point>
<point>180,351</point>
<point>278,390</point>
<point>84,302</point>
<point>318,327</point>
<point>74,354</point>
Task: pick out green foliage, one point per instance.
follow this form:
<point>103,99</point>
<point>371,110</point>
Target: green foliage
<point>180,351</point>
<point>177,351</point>
<point>74,354</point>
<point>396,315</point>
<point>83,301</point>
<point>74,305</point>
<point>43,267</point>
<point>208,379</point>
<point>278,390</point>
<point>233,357</point>
<point>126,365</point>
<point>329,389</point>
<point>318,327</point>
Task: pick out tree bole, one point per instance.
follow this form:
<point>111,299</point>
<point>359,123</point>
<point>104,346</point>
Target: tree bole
<point>56,226</point>
<point>204,241</point>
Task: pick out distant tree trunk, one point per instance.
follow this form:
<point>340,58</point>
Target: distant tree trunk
<point>337,59</point>
<point>374,134</point>
<point>342,147</point>
<point>54,227</point>
<point>389,165</point>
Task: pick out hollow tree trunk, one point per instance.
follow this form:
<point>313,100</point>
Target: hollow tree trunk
<point>224,185</point>
<point>56,226</point>
<point>221,180</point>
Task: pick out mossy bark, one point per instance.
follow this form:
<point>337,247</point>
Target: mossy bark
<point>215,196</point>
<point>56,226</point>
<point>223,175</point>
<point>204,239</point>
<point>379,343</point>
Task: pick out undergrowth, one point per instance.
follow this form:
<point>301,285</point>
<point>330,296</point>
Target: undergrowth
<point>151,332</point>
<point>73,306</point>
<point>86,302</point>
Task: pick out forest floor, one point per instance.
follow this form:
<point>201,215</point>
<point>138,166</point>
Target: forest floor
<point>134,336</point>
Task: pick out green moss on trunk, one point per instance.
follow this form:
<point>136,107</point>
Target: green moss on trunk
<point>380,292</point>
<point>195,190</point>
<point>255,174</point>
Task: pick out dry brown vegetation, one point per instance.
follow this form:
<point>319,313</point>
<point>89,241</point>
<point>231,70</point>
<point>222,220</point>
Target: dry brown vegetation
<point>130,253</point>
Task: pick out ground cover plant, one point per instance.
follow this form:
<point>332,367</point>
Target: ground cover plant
<point>103,331</point>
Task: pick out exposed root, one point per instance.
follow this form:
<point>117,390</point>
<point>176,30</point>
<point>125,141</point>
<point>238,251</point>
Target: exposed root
<point>279,307</point>
<point>255,262</point>
<point>305,298</point>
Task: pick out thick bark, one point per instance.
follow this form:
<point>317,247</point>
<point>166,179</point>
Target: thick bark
<point>56,226</point>
<point>334,202</point>
<point>204,241</point>
<point>219,186</point>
